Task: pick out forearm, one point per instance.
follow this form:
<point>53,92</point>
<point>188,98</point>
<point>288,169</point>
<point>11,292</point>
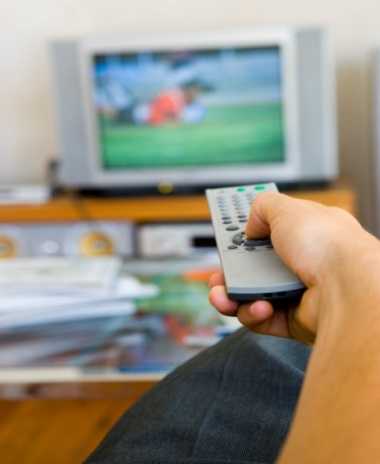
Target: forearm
<point>338,415</point>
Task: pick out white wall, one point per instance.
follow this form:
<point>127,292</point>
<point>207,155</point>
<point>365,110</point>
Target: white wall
<point>26,121</point>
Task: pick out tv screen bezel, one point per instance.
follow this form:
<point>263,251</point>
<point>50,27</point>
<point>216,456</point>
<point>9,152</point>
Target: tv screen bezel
<point>286,170</point>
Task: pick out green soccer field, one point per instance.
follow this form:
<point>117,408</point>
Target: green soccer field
<point>227,135</point>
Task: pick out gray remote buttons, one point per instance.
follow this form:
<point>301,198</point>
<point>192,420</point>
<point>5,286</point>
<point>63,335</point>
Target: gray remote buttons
<point>252,269</point>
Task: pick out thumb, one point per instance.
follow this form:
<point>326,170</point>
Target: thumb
<point>265,208</point>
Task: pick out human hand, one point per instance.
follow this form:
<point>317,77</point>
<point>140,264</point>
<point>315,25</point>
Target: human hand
<point>315,242</point>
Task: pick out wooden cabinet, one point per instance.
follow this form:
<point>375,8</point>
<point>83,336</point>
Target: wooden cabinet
<point>150,209</point>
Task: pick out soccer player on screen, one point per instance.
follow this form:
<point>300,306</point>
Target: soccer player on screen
<point>179,105</point>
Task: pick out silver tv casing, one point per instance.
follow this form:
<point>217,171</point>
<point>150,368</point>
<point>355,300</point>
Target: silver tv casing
<point>308,95</point>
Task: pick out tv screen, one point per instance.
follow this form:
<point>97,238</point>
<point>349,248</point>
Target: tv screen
<point>189,108</point>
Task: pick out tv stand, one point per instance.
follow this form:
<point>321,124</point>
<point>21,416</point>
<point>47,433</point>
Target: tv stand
<point>152,208</point>
<point>96,400</point>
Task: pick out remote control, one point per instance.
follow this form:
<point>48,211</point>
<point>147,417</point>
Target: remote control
<point>252,269</point>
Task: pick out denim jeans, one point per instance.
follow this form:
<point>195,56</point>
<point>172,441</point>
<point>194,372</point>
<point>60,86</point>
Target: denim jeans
<point>233,403</point>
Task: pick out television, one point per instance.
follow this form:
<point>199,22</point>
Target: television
<point>195,110</point>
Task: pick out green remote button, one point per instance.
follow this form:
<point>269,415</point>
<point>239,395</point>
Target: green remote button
<point>241,189</point>
<point>260,187</point>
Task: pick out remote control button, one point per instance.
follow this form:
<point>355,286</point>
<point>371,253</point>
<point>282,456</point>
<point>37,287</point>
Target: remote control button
<point>232,247</point>
<point>232,228</point>
<point>250,248</point>
<point>257,242</point>
<point>227,222</point>
<point>237,239</point>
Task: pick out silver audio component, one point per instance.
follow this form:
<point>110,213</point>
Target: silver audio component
<point>66,239</point>
<point>175,239</point>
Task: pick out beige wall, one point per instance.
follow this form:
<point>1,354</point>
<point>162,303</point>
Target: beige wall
<point>26,122</point>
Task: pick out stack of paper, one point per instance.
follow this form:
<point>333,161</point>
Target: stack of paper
<point>36,291</point>
<point>99,316</point>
